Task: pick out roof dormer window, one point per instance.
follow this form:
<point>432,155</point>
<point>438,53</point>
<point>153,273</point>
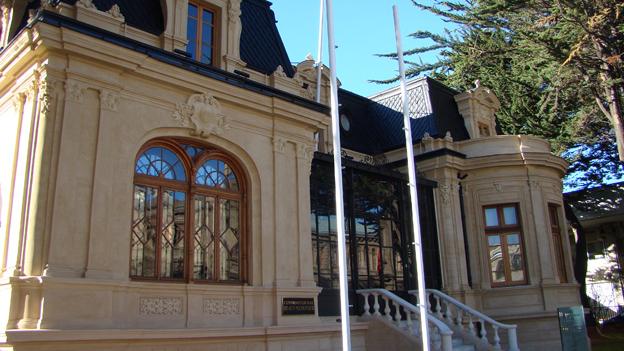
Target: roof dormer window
<point>202,33</point>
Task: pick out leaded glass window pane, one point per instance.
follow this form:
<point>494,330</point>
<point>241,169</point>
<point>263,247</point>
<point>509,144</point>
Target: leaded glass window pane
<point>217,174</point>
<point>160,162</point>
<point>204,237</point>
<point>229,240</point>
<point>172,234</point>
<point>144,229</point>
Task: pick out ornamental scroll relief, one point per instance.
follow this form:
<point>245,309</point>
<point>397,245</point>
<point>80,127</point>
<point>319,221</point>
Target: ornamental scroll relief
<point>221,306</point>
<point>203,113</point>
<point>160,305</point>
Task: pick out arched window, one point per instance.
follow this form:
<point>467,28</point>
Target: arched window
<point>188,214</point>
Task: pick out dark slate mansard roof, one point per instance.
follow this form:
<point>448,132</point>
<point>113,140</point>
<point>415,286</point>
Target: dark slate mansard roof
<point>261,45</point>
<point>146,15</point>
<point>377,126</point>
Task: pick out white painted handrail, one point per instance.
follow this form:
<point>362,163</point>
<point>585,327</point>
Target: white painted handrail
<point>441,334</point>
<point>443,310</point>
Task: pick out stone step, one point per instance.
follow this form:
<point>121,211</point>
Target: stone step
<point>458,345</point>
<point>464,348</point>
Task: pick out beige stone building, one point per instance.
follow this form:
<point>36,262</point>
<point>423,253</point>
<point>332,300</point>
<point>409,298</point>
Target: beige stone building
<point>163,186</point>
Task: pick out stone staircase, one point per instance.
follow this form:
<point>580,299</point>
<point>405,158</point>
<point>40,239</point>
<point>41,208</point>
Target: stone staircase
<point>452,325</point>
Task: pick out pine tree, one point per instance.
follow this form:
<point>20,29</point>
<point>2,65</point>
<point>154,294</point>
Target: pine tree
<point>556,65</point>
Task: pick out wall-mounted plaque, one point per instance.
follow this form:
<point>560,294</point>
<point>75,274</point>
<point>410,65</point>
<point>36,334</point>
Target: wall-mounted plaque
<point>297,306</point>
<point>572,328</point>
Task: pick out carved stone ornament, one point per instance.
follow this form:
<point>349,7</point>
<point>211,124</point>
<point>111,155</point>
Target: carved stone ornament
<point>279,145</point>
<point>234,11</point>
<point>47,4</point>
<point>304,151</point>
<point>18,101</point>
<point>109,100</point>
<point>115,11</point>
<point>498,187</point>
<point>221,306</point>
<point>160,305</point>
<point>86,4</point>
<point>6,7</point>
<point>203,113</point>
<point>448,137</point>
<point>445,192</point>
<point>47,95</point>
<point>368,159</point>
<point>75,91</point>
<point>279,72</point>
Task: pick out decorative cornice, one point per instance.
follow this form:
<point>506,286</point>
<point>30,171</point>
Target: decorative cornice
<point>203,113</point>
<point>178,61</point>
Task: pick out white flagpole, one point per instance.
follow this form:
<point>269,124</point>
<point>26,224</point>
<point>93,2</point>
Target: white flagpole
<point>420,273</point>
<point>340,220</point>
<point>319,61</point>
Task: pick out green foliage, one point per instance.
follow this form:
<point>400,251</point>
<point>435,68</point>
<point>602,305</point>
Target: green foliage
<point>554,64</point>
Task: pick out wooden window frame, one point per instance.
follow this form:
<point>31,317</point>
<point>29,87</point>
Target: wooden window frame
<point>191,189</point>
<point>502,230</point>
<point>557,240</point>
<point>216,31</point>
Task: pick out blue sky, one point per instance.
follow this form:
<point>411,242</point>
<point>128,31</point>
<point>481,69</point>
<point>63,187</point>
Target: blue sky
<point>363,28</point>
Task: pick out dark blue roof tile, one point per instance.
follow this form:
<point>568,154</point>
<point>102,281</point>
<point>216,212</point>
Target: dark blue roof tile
<point>377,126</point>
<point>261,45</point>
<point>146,15</point>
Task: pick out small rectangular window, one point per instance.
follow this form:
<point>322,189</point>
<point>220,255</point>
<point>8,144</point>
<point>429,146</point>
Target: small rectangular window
<point>202,32</point>
<point>505,248</point>
<point>555,229</point>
